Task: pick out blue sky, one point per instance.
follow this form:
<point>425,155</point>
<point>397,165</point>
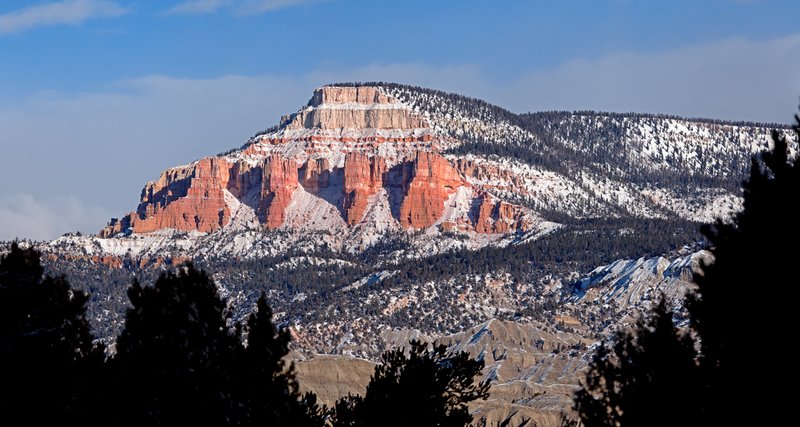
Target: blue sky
<point>99,96</point>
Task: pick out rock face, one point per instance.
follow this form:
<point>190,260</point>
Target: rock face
<point>351,151</point>
<point>316,175</point>
<point>496,216</point>
<point>185,198</point>
<point>333,377</point>
<point>430,181</point>
<point>354,108</point>
<point>363,177</point>
<point>277,188</point>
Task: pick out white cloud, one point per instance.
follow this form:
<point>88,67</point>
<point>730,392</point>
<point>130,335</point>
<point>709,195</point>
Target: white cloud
<point>24,216</point>
<point>254,7</point>
<point>70,12</point>
<point>102,147</point>
<point>198,7</point>
<point>734,79</point>
<point>238,7</point>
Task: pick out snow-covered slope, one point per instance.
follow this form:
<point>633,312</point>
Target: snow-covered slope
<point>380,212</point>
<point>366,163</point>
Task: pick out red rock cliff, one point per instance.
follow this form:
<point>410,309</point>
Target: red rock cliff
<point>278,185</point>
<point>428,184</point>
<point>189,198</point>
<point>347,145</point>
<point>496,216</point>
<point>363,177</point>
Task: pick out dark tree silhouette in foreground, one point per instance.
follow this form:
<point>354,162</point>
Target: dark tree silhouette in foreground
<point>268,385</point>
<point>647,377</point>
<point>47,361</point>
<point>175,354</point>
<point>655,376</point>
<point>180,361</point>
<point>429,387</point>
<point>741,303</point>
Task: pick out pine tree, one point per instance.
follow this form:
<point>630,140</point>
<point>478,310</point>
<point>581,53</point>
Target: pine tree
<point>174,358</point>
<point>651,376</point>
<point>429,387</point>
<point>742,292</point>
<point>270,391</point>
<point>180,361</point>
<point>47,360</point>
<point>646,377</point>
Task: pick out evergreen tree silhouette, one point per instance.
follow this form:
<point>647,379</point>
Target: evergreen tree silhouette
<point>270,391</point>
<point>175,356</point>
<point>741,293</point>
<point>349,411</point>
<point>646,377</point>
<point>48,363</point>
<point>429,387</point>
<point>656,376</point>
<point>180,361</point>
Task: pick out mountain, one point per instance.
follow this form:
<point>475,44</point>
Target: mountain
<point>355,164</point>
<point>363,162</point>
<point>381,212</point>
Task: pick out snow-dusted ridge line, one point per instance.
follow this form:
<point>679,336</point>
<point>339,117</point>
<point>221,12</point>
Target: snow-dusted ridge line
<point>649,144</point>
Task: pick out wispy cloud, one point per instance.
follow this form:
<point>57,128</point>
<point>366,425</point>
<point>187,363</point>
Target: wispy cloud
<point>24,216</point>
<point>198,7</point>
<point>95,146</point>
<point>102,147</point>
<point>735,79</point>
<point>254,7</point>
<point>237,7</point>
<point>66,12</point>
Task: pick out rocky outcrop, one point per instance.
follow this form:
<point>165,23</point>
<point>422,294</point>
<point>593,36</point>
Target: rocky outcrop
<point>428,183</point>
<point>187,198</point>
<point>491,215</point>
<point>333,377</point>
<point>489,173</point>
<point>116,226</point>
<point>245,180</point>
<point>354,108</point>
<point>351,151</point>
<point>278,185</point>
<point>363,177</point>
<point>332,95</point>
<point>315,175</point>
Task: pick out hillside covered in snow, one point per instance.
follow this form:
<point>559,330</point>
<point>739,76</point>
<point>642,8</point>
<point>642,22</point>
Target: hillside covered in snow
<point>381,212</point>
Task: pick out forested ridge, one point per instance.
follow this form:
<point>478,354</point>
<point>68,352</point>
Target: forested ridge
<point>322,278</point>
